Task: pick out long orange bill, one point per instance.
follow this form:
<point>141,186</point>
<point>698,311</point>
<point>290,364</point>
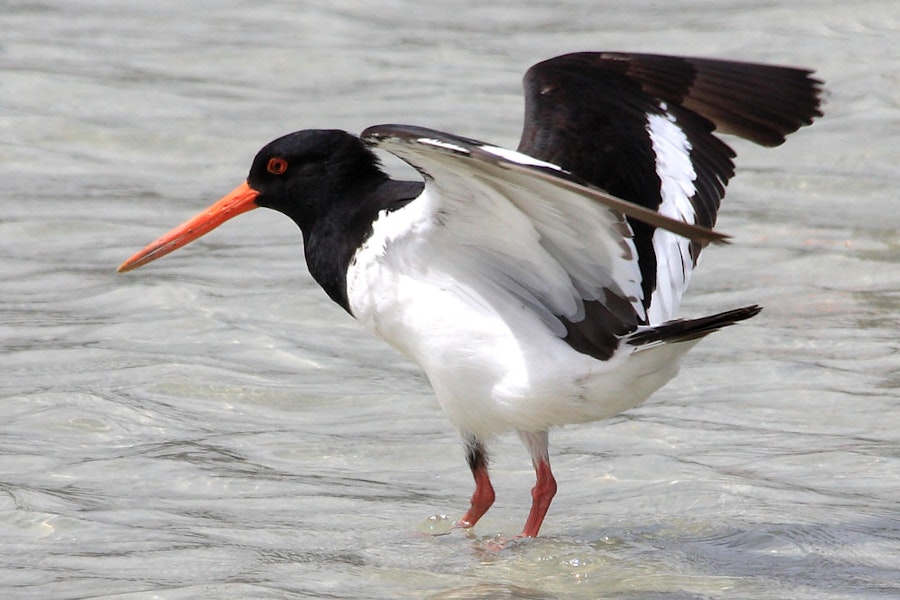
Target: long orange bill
<point>239,200</point>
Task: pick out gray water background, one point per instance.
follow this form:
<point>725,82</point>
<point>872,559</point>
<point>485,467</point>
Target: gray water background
<point>212,426</point>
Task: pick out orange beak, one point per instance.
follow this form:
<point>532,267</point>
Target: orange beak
<point>239,200</point>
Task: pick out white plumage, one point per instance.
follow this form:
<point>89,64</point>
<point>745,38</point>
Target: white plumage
<point>469,281</point>
<point>672,152</point>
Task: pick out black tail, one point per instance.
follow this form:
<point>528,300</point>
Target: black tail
<point>682,330</point>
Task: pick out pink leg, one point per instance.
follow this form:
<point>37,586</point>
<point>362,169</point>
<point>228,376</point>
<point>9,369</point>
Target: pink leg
<point>545,488</point>
<point>483,497</point>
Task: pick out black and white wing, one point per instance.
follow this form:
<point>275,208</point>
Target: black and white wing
<point>640,126</point>
<point>531,232</point>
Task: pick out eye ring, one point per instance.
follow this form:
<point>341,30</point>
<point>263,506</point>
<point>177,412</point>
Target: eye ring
<point>276,165</point>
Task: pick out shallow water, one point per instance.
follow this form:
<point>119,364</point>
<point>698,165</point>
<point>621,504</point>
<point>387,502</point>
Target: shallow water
<point>213,427</point>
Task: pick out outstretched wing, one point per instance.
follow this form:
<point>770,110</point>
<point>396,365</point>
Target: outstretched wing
<point>532,232</point>
<point>640,126</point>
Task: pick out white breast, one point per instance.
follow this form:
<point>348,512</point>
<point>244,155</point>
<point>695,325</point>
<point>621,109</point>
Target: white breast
<point>407,291</point>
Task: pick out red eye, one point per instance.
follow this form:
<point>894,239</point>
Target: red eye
<point>277,165</point>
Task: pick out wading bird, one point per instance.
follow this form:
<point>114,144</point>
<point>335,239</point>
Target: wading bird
<point>537,287</point>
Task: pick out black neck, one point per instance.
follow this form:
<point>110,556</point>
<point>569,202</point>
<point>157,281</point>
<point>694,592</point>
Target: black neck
<point>332,240</point>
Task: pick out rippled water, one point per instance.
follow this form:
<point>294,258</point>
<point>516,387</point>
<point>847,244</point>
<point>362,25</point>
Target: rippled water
<point>212,427</point>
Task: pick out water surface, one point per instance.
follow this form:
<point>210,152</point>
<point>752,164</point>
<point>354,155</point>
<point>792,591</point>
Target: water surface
<point>213,427</point>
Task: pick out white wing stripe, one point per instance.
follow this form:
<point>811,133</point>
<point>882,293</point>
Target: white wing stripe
<point>676,172</point>
<point>673,166</point>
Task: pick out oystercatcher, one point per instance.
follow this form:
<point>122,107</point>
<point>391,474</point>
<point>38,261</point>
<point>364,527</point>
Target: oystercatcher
<point>536,287</point>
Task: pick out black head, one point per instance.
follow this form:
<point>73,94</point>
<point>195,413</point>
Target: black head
<point>305,173</point>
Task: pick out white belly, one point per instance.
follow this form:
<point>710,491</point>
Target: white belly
<point>493,363</point>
